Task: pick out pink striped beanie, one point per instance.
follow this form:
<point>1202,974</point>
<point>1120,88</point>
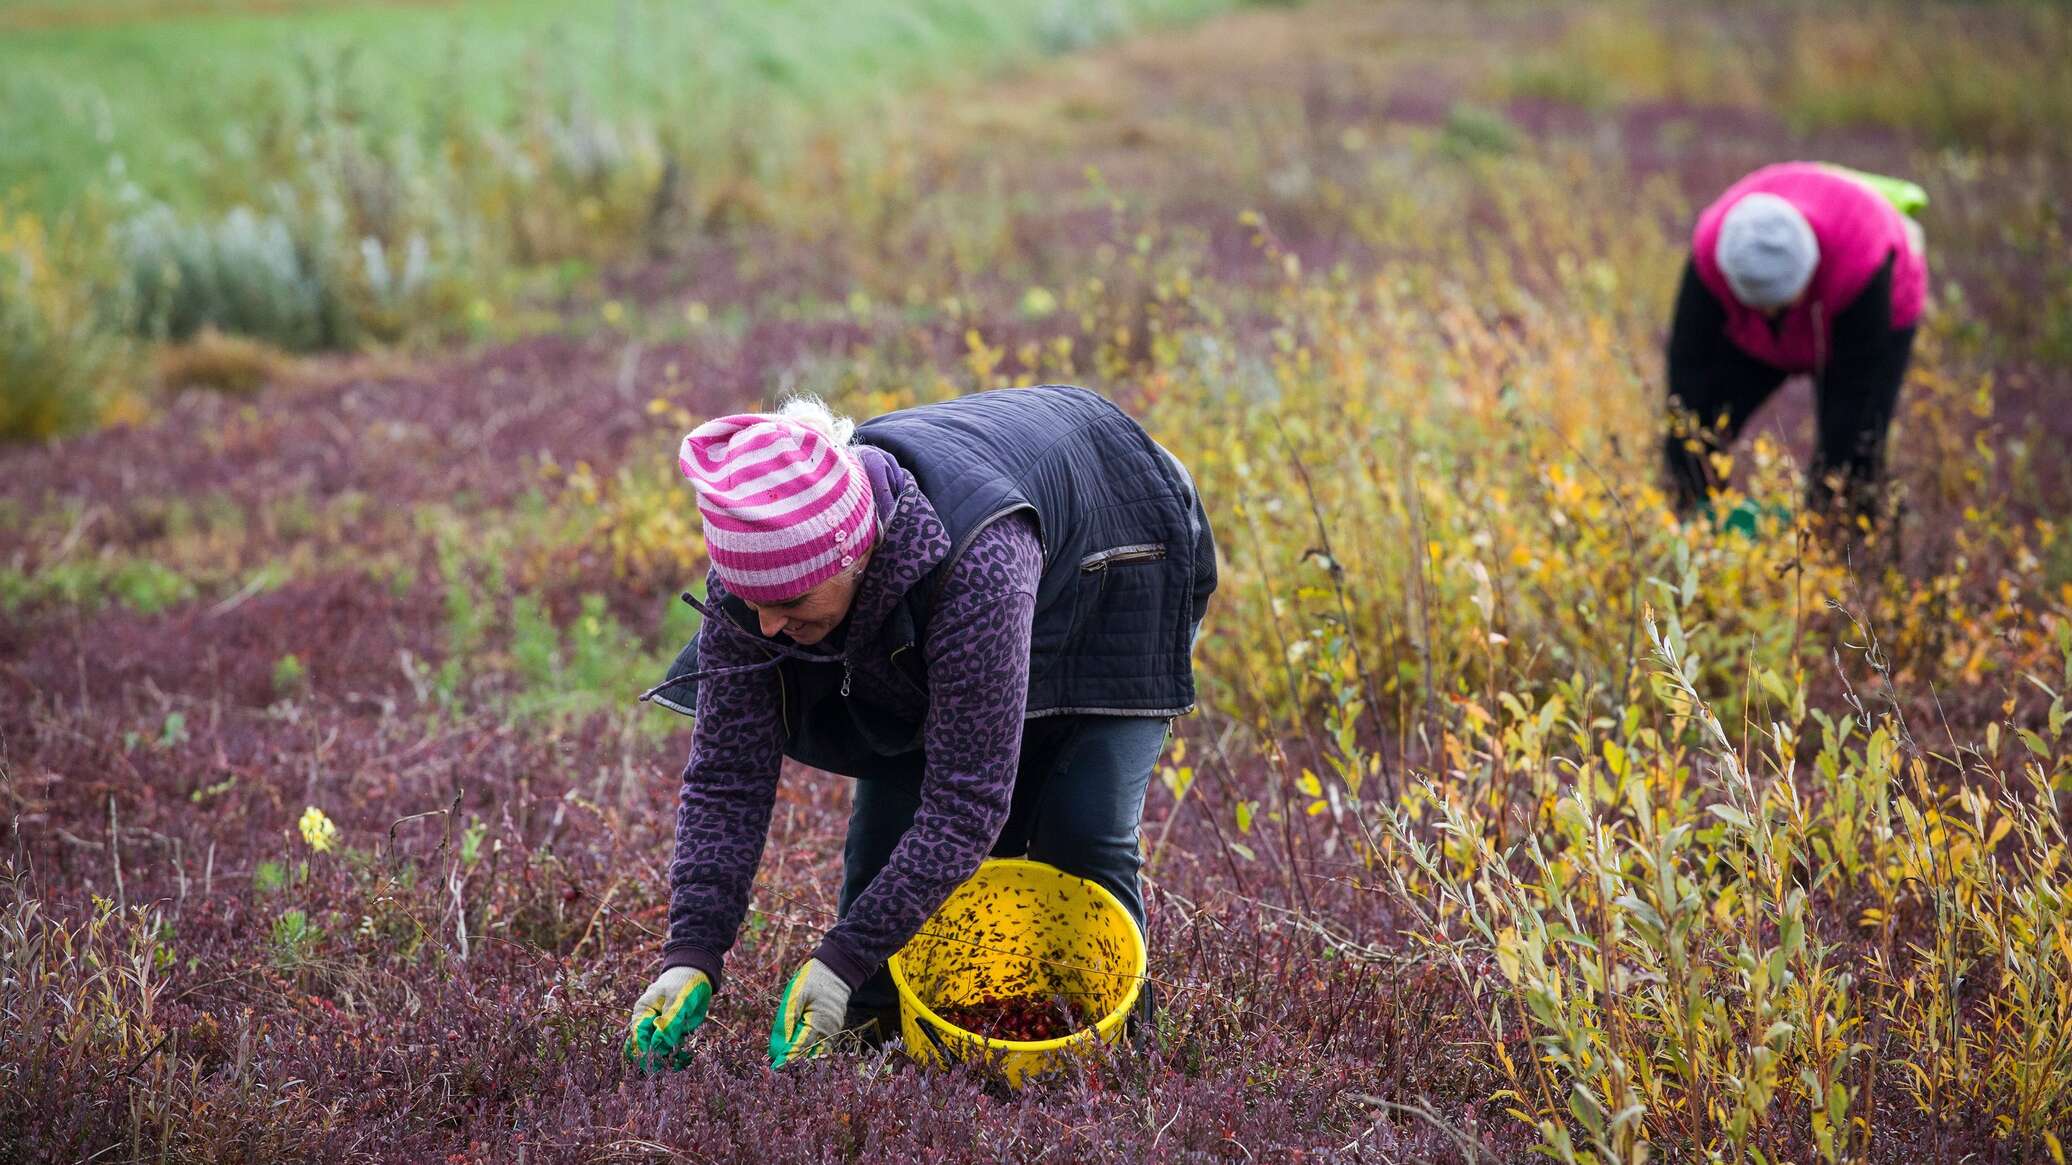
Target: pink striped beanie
<point>786,508</point>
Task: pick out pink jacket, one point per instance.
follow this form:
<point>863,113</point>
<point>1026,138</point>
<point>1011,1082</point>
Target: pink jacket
<point>1856,229</point>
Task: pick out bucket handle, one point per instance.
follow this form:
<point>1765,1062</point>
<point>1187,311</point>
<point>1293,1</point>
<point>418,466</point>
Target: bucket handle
<point>935,1037</point>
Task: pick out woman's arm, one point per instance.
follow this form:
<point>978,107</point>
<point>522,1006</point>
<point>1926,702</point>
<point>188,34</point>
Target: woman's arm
<point>1698,351</point>
<point>977,649</point>
<point>1713,387</point>
<point>1859,389</point>
<point>729,786</point>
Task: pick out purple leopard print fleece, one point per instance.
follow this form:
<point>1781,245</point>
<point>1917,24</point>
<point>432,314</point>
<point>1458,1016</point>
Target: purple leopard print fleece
<point>976,648</point>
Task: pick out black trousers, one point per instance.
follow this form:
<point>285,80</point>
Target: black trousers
<point>1848,453</point>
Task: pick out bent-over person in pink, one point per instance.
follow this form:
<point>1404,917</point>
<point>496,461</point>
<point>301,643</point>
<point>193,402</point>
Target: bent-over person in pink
<point>1797,268</point>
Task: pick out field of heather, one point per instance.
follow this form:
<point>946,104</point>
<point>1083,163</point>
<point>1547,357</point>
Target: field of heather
<point>1521,821</point>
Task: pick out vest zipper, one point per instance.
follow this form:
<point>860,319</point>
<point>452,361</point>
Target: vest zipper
<point>1121,556</point>
<point>957,551</point>
<point>848,672</point>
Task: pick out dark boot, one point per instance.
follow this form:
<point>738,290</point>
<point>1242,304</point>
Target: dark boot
<point>1140,1027</point>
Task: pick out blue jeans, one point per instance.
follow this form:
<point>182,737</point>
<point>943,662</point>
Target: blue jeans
<point>1078,796</point>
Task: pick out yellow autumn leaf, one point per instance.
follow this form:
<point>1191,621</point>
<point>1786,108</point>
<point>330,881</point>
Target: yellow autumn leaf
<point>1507,953</point>
<point>318,829</point>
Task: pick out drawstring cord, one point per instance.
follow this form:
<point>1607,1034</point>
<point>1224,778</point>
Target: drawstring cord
<point>783,652</point>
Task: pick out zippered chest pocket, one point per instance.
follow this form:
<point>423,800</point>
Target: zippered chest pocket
<point>1100,561</point>
<point>1115,588</point>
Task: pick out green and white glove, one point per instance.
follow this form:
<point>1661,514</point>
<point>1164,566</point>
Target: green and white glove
<point>809,1014</point>
<point>1745,518</point>
<point>665,1016</point>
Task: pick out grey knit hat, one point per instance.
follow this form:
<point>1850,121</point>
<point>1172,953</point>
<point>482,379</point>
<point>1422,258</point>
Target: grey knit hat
<point>1766,250</point>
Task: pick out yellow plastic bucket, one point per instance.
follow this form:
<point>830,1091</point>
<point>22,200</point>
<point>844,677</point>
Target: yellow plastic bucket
<point>1019,928</point>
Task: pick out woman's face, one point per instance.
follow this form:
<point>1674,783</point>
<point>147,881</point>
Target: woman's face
<point>1777,313</point>
<point>809,618</point>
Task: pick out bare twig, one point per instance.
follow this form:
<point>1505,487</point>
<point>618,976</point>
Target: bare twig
<point>1414,503</point>
<point>115,852</point>
<point>603,910</point>
<point>1469,1148</point>
<point>405,820</point>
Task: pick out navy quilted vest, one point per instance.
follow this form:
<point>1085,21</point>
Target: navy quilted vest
<point>1128,560</point>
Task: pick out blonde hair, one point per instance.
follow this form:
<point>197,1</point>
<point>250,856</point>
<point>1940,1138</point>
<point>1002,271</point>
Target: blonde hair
<point>813,413</point>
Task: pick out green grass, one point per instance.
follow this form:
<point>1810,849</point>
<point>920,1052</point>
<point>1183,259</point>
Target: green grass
<point>153,90</point>
<point>322,175</point>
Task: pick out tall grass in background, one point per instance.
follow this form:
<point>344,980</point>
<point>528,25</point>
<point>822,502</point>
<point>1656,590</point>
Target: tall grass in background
<point>345,175</point>
<point>62,357</point>
<point>1969,76</point>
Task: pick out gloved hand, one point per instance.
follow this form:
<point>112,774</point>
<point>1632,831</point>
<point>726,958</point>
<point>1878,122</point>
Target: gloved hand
<point>1745,517</point>
<point>808,1014</point>
<point>665,1016</point>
